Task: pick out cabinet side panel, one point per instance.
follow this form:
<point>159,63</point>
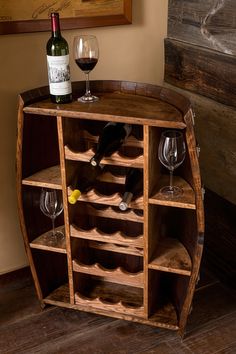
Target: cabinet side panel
<point>20,127</point>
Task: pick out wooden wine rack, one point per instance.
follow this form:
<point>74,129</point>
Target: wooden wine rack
<point>141,265</point>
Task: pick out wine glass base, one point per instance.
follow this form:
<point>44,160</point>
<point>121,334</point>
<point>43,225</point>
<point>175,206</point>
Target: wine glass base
<point>171,192</point>
<point>55,238</point>
<point>88,99</point>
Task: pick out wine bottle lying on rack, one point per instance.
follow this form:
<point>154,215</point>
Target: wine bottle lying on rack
<point>111,138</point>
<point>83,181</point>
<point>133,187</point>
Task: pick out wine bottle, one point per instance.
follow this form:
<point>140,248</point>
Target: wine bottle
<point>111,138</point>
<point>133,187</point>
<point>83,181</point>
<point>58,64</point>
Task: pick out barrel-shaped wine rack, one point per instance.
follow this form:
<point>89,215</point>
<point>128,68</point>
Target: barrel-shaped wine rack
<point>141,264</point>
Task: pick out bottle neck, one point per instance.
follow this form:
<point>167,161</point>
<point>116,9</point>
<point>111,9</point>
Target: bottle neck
<point>124,204</point>
<point>55,25</point>
<point>95,160</point>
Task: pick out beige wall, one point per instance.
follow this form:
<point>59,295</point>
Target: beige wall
<point>131,52</point>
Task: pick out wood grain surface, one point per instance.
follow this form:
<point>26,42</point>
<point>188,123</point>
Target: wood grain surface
<point>23,324</point>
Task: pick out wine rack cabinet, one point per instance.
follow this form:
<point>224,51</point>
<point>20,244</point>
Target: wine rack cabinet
<point>140,265</point>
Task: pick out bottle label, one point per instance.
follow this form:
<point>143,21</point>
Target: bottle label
<point>59,75</point>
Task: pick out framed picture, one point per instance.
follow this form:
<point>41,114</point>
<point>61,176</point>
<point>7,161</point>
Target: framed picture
<point>20,16</point>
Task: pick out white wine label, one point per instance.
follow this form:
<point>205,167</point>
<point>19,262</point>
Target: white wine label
<point>59,75</point>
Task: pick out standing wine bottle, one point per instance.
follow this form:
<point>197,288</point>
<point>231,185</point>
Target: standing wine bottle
<point>112,137</point>
<point>133,187</point>
<point>58,64</point>
<point>83,181</point>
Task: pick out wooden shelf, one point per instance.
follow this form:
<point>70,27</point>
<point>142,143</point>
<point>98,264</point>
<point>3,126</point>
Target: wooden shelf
<point>171,256</point>
<point>110,212</point>
<point>165,317</point>
<point>113,297</point>
<point>186,200</point>
<point>47,178</point>
<point>44,242</point>
<point>59,296</point>
<point>113,200</point>
<point>115,107</point>
<point>115,238</point>
<point>115,159</point>
<point>117,275</point>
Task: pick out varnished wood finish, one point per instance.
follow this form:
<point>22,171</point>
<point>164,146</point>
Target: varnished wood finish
<point>154,247</point>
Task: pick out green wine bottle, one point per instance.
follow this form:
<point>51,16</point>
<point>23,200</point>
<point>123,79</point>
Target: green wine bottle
<point>112,137</point>
<point>83,181</point>
<point>58,64</point>
<point>133,187</point>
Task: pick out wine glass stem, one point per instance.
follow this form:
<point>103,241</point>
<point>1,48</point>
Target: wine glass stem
<point>53,226</point>
<point>88,93</point>
<point>171,179</point>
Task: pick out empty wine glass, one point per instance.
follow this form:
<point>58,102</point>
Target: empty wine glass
<point>86,54</point>
<point>51,205</point>
<point>171,153</point>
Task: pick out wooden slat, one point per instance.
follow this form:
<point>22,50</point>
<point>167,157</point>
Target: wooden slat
<point>116,248</point>
<point>201,70</point>
<point>118,275</point>
<point>108,212</point>
<point>113,297</point>
<point>116,238</point>
<point>115,159</point>
<point>114,200</point>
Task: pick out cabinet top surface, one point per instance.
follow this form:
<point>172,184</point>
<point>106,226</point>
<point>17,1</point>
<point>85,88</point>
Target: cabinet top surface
<point>124,101</point>
<point>129,108</point>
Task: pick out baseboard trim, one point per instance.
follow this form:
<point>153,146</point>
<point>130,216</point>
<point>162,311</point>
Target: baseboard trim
<point>15,274</point>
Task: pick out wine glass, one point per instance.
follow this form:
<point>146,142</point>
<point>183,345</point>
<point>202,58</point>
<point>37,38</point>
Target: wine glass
<point>86,54</point>
<point>51,205</point>
<point>171,153</point>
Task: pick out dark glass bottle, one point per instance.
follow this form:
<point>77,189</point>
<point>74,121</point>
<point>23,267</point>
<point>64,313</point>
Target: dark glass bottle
<point>133,187</point>
<point>58,64</point>
<point>84,180</point>
<point>111,138</point>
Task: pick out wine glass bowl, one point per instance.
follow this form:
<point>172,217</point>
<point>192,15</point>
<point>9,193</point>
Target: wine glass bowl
<point>171,153</point>
<point>86,54</point>
<point>51,205</point>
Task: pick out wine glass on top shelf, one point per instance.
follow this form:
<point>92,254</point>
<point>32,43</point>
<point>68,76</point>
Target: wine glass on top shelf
<point>51,205</point>
<point>86,53</point>
<point>171,153</point>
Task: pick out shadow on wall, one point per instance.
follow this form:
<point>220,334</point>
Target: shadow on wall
<point>138,13</point>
